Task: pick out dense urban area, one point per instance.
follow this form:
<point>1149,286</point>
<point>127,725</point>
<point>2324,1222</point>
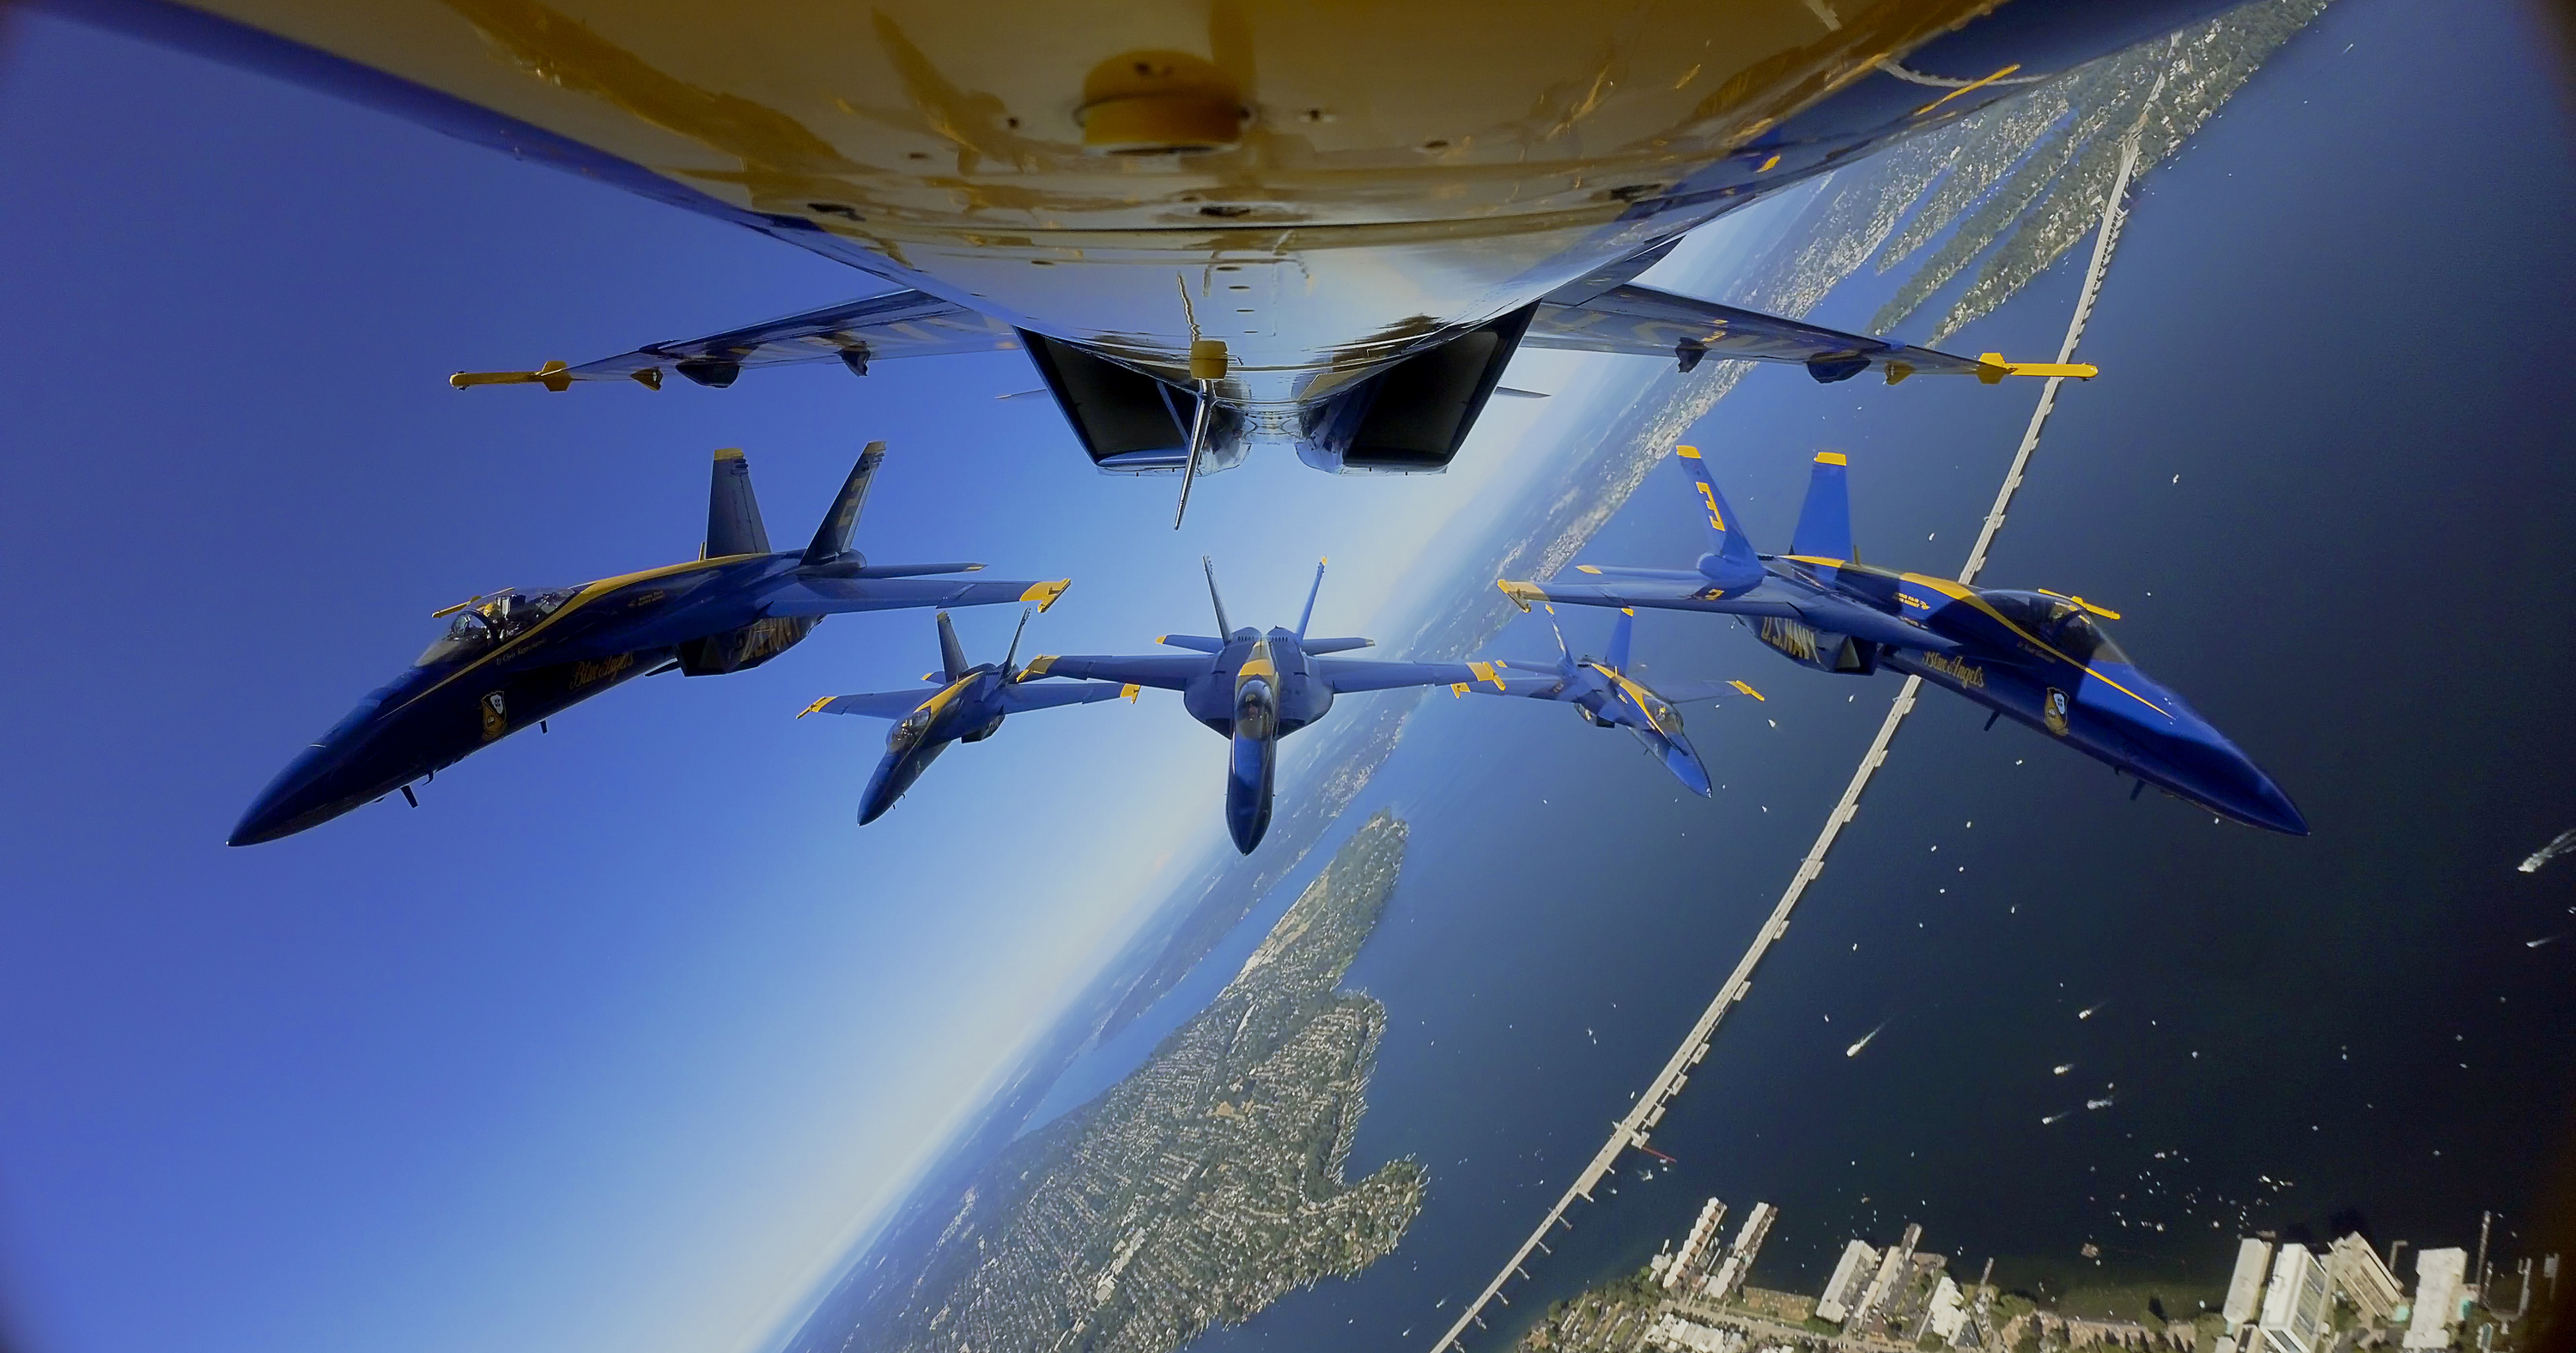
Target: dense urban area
<point>2282,1297</point>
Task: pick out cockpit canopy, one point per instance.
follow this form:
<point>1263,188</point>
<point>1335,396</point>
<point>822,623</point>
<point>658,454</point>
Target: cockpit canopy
<point>2059,623</point>
<point>1256,710</point>
<point>908,729</point>
<point>488,621</point>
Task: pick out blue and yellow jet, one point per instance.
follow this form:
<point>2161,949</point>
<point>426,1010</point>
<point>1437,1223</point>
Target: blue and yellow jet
<point>967,705</point>
<point>513,658</point>
<point>2036,657</point>
<point>1254,688</point>
<point>1607,695</point>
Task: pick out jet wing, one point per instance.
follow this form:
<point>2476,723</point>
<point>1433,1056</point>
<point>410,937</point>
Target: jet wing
<point>1537,681</point>
<point>1349,676</point>
<point>1645,322</point>
<point>1684,692</point>
<point>875,705</point>
<point>1154,669</point>
<point>853,333</point>
<point>1051,694</point>
<point>1823,612</point>
<point>834,596</point>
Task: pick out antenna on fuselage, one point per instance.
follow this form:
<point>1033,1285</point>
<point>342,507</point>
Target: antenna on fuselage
<point>1310,599</point>
<point>1224,627</point>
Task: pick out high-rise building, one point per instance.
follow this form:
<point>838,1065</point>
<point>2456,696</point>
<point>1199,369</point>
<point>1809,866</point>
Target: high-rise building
<point>2245,1289</point>
<point>1738,1264</point>
<point>1858,1261</point>
<point>2438,1275</point>
<point>1695,1246</point>
<point>2353,1267</point>
<point>2294,1303</point>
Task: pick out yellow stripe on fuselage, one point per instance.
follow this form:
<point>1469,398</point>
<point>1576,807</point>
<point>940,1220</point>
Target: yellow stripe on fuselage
<point>589,593</point>
<point>1959,592</point>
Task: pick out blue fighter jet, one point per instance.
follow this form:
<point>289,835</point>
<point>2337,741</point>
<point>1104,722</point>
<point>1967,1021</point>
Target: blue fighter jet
<point>2037,657</point>
<point>1254,689</point>
<point>968,705</point>
<point>1607,695</point>
<point>513,658</point>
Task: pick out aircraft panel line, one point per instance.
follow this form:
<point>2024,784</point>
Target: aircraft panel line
<point>1630,1130</point>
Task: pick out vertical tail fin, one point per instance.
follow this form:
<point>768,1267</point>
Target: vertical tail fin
<point>1620,635</point>
<point>952,654</point>
<point>832,538</point>
<point>1730,561</point>
<point>1311,592</point>
<point>1013,655</point>
<point>1224,627</point>
<point>1824,524</point>
<point>733,514</point>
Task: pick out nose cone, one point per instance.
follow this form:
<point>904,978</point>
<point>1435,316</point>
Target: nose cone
<point>893,776</point>
<point>314,788</point>
<point>1250,767</point>
<point>1683,761</point>
<point>2198,760</point>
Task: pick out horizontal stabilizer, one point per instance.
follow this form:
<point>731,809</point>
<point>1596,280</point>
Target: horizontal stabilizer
<point>1201,643</point>
<point>1315,646</point>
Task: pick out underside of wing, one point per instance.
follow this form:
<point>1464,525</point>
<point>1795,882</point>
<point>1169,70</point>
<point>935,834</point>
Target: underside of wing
<point>875,704</point>
<point>1051,694</point>
<point>854,334</point>
<point>1159,670</point>
<point>1684,692</point>
<point>1642,321</point>
<point>1348,676</point>
<point>836,596</point>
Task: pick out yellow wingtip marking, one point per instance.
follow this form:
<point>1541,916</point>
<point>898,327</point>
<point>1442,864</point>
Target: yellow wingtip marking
<point>554,375</point>
<point>1130,691</point>
<point>1586,568</point>
<point>1044,594</point>
<point>816,705</point>
<point>1458,688</point>
<point>1992,368</point>
<point>1038,666</point>
<point>1628,610</point>
<point>728,453</point>
<point>1522,594</point>
<point>1686,452</point>
<point>1748,690</point>
<point>1832,458</point>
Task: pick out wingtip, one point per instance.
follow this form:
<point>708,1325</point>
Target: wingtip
<point>1044,594</point>
<point>1520,592</point>
<point>1686,452</point>
<point>816,705</point>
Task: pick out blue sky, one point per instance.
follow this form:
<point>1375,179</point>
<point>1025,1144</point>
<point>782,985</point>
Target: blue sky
<point>613,1041</point>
